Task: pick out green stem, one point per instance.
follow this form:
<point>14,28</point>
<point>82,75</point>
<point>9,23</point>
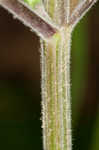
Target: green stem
<point>56,113</point>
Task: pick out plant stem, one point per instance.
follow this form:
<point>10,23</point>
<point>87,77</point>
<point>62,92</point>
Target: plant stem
<point>55,61</point>
<point>56,113</point>
<point>29,18</point>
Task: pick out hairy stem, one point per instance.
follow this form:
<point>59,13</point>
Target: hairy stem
<point>80,11</point>
<point>29,18</point>
<point>55,61</point>
<point>56,111</point>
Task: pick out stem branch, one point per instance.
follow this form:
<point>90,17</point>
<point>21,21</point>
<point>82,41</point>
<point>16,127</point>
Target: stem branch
<point>29,18</point>
<point>80,11</point>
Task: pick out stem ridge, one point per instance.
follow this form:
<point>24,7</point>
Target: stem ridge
<point>56,91</point>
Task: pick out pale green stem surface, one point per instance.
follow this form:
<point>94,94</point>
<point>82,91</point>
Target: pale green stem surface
<point>55,62</point>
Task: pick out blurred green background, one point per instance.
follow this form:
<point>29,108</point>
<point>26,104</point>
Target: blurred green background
<point>20,99</point>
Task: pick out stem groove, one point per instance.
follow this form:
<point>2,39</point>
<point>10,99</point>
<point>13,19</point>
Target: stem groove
<point>56,111</point>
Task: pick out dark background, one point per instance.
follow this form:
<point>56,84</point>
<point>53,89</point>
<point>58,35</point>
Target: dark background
<point>20,98</point>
